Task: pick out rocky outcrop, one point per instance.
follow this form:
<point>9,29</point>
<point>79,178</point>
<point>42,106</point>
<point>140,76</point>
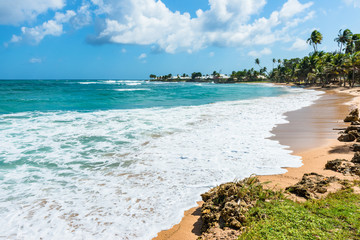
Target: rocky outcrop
<point>356,158</point>
<point>347,137</point>
<point>355,148</point>
<point>225,206</point>
<point>353,116</point>
<point>344,166</point>
<point>340,165</point>
<point>311,186</point>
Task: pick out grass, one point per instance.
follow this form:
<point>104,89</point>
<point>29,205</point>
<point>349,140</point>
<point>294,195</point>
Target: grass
<point>335,217</point>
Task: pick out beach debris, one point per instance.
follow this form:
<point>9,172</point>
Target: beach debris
<point>312,186</point>
<point>226,206</point>
<point>353,116</point>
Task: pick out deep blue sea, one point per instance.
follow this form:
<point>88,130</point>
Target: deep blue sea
<point>121,159</point>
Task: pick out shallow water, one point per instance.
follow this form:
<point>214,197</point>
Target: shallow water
<point>123,159</point>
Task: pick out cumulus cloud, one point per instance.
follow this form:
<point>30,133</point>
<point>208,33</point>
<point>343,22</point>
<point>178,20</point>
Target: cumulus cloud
<point>52,27</point>
<point>18,11</point>
<point>292,8</point>
<point>265,51</point>
<point>227,23</point>
<point>55,26</point>
<point>355,3</point>
<point>299,45</point>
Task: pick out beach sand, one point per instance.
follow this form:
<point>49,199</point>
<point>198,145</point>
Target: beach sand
<point>308,134</point>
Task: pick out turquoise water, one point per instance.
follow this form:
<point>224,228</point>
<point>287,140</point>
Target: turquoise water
<point>92,95</point>
<point>115,159</point>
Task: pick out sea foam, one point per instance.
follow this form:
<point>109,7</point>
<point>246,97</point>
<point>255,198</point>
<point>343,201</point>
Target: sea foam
<point>128,174</point>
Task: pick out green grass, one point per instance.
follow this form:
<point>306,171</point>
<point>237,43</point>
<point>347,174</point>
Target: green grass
<point>335,217</point>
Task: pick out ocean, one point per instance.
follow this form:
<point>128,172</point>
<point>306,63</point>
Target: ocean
<point>123,159</point>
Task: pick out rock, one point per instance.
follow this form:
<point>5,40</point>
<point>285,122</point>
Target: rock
<point>355,170</point>
<point>347,138</point>
<point>355,147</point>
<point>351,128</point>
<point>311,186</point>
<point>355,133</point>
<point>351,119</point>
<point>353,116</point>
<point>356,158</point>
<point>355,123</point>
<point>354,112</point>
<point>339,165</point>
<point>227,205</point>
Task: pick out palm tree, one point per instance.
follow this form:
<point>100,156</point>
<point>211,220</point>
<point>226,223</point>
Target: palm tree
<point>257,62</point>
<point>274,61</point>
<point>352,62</point>
<point>343,38</point>
<point>356,40</point>
<point>315,39</point>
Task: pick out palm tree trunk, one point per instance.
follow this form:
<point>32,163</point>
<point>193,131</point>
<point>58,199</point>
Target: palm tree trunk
<point>353,77</point>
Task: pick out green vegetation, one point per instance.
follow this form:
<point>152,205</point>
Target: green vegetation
<point>324,68</point>
<point>335,217</point>
<point>319,68</point>
<point>315,39</point>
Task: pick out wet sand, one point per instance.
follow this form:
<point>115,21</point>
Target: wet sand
<point>308,134</point>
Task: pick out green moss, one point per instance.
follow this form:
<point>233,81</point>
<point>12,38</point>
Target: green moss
<point>335,217</point>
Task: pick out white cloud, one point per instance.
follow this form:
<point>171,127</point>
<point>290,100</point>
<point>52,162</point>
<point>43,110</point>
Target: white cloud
<point>227,23</point>
<point>355,3</point>
<point>299,45</point>
<point>265,51</point>
<point>83,17</point>
<point>293,7</point>
<point>18,11</point>
<point>142,56</point>
<point>211,54</point>
<point>35,60</point>
<point>52,27</point>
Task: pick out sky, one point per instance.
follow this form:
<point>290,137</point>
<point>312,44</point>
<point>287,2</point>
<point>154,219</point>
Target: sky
<point>131,39</point>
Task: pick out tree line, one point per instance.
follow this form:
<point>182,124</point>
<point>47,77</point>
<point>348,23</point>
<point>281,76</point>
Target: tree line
<point>340,67</point>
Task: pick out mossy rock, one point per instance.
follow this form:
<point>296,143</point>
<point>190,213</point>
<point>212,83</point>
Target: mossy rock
<point>226,206</point>
<point>311,185</point>
<point>339,165</point>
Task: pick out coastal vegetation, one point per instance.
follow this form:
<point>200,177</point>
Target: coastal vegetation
<point>247,209</point>
<point>334,217</point>
<point>340,67</point>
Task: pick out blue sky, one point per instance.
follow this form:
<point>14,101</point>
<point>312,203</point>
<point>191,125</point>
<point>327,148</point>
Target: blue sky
<point>130,39</point>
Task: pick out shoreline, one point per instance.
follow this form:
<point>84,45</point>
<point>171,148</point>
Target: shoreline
<point>309,135</point>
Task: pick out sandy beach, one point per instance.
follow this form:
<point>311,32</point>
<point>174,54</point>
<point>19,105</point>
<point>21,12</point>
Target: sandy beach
<point>308,134</point>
